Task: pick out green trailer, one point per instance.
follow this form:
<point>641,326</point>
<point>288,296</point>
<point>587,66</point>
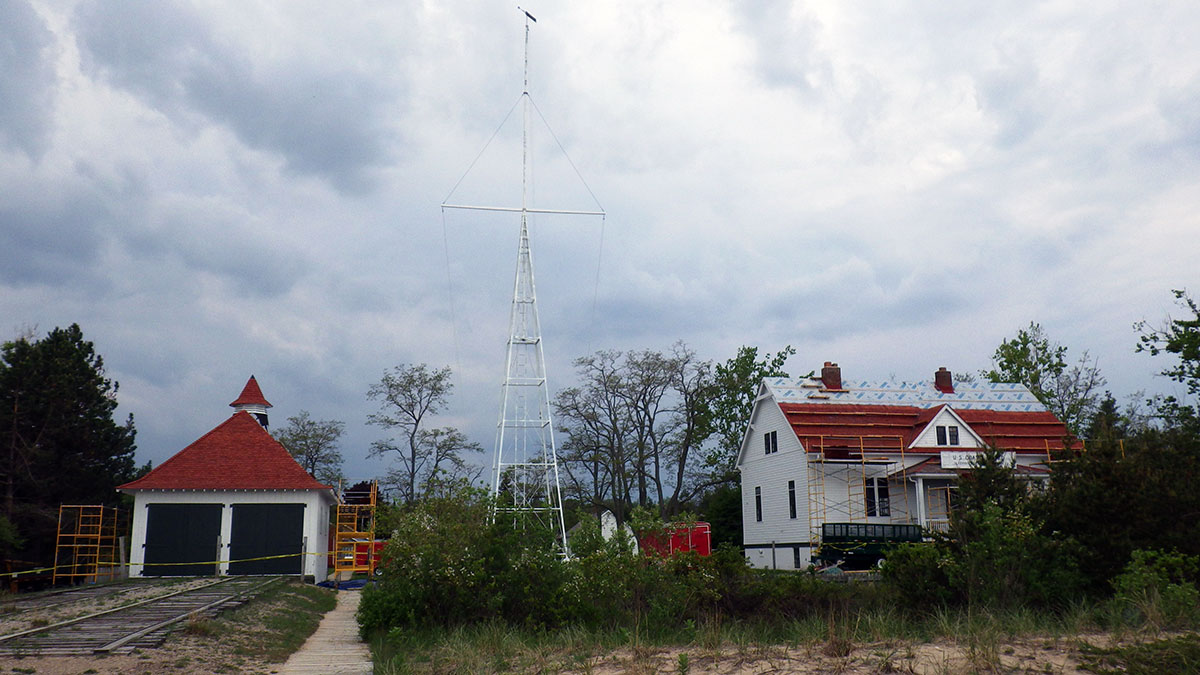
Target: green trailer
<point>859,546</point>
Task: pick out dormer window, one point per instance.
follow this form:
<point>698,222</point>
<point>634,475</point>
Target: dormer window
<point>947,435</point>
<point>771,442</point>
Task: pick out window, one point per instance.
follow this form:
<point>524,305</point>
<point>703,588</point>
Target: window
<point>947,435</point>
<point>796,557</point>
<point>878,501</point>
<point>771,442</point>
<point>758,504</point>
<point>792,498</point>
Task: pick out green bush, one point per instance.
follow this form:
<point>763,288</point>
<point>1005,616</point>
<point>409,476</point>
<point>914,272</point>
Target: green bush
<point>1008,562</point>
<point>1158,589</point>
<point>997,553</point>
<point>918,574</point>
<point>446,567</point>
<point>432,570</point>
<point>791,595</point>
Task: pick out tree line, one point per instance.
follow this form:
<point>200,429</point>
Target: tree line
<point>650,428</point>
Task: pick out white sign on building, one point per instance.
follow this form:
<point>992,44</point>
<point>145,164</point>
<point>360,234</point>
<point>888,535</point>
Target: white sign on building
<point>963,459</point>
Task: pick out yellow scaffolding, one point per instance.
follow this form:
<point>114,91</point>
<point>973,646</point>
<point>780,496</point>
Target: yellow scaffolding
<point>354,526</point>
<point>939,502</point>
<point>853,470</point>
<point>88,544</point>
<point>816,499</point>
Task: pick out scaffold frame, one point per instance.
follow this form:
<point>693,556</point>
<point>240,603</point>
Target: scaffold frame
<point>354,524</point>
<point>89,545</point>
<point>855,472</point>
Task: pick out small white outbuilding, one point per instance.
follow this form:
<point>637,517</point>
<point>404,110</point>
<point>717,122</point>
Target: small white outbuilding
<point>233,502</point>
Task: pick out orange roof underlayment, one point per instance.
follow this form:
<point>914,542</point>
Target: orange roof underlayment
<point>237,455</point>
<point>892,427</point>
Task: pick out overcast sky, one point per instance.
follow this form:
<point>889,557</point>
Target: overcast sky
<point>216,189</point>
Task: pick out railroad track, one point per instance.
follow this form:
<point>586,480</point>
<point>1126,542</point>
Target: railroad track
<point>140,625</point>
<point>12,605</point>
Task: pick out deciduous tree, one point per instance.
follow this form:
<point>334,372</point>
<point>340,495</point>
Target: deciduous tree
<point>736,384</point>
<point>1180,337</point>
<point>1071,392</point>
<point>633,427</point>
<point>409,396</point>
<point>314,444</point>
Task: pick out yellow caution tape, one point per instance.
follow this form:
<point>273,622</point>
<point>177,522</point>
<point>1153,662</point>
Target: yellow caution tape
<point>168,564</point>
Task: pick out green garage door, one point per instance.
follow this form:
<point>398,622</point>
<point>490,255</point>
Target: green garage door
<point>264,530</point>
<point>181,533</point>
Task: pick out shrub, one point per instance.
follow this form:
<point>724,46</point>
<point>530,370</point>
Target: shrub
<point>432,569</point>
<point>447,567</point>
<point>996,554</point>
<point>1158,589</point>
<point>1009,563</point>
<point>918,575</point>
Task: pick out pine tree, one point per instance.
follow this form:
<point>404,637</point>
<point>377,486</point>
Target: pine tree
<point>58,439</point>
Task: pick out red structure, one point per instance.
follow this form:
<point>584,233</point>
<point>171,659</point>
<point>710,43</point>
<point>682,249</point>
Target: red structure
<point>680,538</point>
<point>360,552</point>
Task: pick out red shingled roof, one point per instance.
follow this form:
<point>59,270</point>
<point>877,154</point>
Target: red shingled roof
<point>251,395</point>
<point>237,455</point>
<point>841,429</point>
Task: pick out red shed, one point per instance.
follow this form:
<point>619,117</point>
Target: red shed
<point>680,538</point>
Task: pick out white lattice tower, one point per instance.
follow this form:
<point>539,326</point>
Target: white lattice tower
<point>525,466</point>
<point>525,481</point>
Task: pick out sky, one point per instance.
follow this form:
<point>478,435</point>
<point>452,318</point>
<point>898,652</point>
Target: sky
<point>221,188</point>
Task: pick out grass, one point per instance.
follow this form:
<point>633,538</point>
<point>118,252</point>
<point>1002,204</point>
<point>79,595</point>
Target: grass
<point>1176,655</point>
<point>884,637</point>
<point>268,628</point>
<point>278,622</point>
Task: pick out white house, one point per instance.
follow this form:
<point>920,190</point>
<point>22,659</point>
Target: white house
<point>822,450</point>
<point>232,502</point>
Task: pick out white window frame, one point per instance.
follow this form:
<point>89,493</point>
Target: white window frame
<point>771,442</point>
<point>878,497</point>
<point>948,435</point>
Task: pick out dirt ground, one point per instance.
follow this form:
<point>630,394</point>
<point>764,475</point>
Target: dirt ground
<point>183,655</point>
<point>936,658</point>
<point>192,655</point>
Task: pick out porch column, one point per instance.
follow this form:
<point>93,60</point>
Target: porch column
<point>921,515</point>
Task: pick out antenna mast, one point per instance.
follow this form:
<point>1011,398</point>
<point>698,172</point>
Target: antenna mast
<point>525,480</point>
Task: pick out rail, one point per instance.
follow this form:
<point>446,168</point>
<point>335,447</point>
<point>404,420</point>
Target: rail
<point>142,624</point>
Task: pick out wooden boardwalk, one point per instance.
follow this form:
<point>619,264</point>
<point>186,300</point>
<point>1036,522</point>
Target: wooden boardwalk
<point>335,648</point>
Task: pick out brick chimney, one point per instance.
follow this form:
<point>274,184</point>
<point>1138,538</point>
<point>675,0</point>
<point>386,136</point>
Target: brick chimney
<point>831,375</point>
<point>943,380</point>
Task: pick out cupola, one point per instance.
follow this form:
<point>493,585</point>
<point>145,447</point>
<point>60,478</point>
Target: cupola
<point>253,402</point>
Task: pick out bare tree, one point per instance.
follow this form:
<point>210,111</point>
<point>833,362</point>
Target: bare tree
<point>695,385</point>
<point>448,469</point>
<point>632,428</point>
<point>430,459</point>
<point>314,444</point>
<point>595,455</point>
